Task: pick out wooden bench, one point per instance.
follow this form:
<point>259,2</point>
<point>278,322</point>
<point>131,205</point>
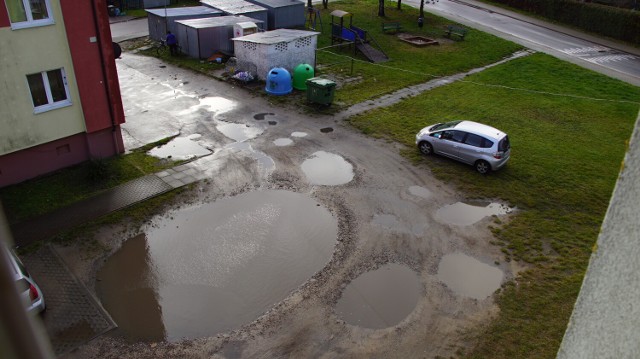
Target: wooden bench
<point>388,26</point>
<point>456,30</point>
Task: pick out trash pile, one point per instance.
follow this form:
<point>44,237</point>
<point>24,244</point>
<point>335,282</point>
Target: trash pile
<point>243,76</point>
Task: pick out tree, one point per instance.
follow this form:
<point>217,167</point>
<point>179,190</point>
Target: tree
<point>381,8</point>
<point>399,4</point>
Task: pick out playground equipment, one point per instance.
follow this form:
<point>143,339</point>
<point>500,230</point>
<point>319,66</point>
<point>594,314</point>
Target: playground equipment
<point>313,15</point>
<point>362,40</point>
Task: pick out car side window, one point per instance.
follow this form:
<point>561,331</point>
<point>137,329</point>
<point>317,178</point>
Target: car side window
<point>457,136</point>
<point>474,140</point>
<point>486,143</point>
<point>436,134</point>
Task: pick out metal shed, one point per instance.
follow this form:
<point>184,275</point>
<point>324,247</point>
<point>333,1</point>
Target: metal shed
<point>278,48</point>
<point>238,7</point>
<point>144,4</point>
<point>200,38</point>
<point>283,13</point>
<point>161,20</point>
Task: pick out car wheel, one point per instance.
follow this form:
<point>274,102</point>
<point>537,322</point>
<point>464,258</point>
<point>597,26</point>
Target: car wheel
<point>425,148</point>
<point>483,167</point>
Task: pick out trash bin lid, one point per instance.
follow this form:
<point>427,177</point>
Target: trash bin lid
<point>319,81</point>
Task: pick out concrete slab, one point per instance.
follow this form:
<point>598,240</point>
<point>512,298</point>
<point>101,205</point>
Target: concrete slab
<point>73,316</point>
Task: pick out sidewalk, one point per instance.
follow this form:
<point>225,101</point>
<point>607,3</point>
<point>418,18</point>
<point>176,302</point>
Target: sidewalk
<point>111,200</point>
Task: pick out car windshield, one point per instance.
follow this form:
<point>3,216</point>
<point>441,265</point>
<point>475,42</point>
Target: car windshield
<point>450,124</point>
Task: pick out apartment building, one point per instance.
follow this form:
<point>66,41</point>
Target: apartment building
<point>60,99</point>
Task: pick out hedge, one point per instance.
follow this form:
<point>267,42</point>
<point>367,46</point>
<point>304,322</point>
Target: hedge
<point>605,20</point>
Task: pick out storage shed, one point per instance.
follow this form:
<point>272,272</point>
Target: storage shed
<point>278,48</point>
<point>238,7</point>
<point>161,20</point>
<point>283,13</point>
<point>200,38</point>
<point>145,4</point>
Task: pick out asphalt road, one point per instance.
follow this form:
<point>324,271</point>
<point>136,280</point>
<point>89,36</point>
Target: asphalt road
<point>612,59</point>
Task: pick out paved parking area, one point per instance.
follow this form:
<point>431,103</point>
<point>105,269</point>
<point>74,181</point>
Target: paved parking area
<point>73,316</point>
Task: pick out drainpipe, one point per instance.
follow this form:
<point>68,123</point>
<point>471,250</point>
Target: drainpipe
<point>104,73</point>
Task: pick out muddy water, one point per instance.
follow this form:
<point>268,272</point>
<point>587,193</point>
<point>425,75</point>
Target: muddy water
<point>180,148</point>
<point>420,192</point>
<point>328,169</point>
<point>207,269</point>
<point>468,276</point>
<point>265,163</point>
<point>237,131</point>
<point>218,105</point>
<point>380,298</point>
<point>281,142</point>
<point>463,214</point>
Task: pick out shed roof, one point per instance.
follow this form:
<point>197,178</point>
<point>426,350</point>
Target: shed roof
<point>233,7</point>
<point>184,11</point>
<point>217,21</point>
<point>276,36</point>
<point>279,3</point>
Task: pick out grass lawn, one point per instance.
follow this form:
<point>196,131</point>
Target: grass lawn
<point>566,155</point>
<point>408,64</point>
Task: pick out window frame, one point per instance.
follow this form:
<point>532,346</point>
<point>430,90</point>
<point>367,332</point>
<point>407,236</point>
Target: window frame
<point>30,22</point>
<point>50,105</point>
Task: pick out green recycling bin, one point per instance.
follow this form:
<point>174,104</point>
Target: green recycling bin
<point>320,91</point>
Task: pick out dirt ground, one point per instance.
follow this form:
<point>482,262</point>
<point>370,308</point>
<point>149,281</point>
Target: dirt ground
<point>305,324</point>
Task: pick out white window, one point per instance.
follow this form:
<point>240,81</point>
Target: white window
<point>49,90</point>
<point>29,13</point>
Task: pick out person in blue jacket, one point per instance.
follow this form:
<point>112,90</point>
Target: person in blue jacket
<point>172,43</point>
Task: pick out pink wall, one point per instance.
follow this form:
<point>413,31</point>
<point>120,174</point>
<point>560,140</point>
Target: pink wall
<point>35,161</point>
<point>4,16</point>
<point>89,36</point>
<point>39,160</point>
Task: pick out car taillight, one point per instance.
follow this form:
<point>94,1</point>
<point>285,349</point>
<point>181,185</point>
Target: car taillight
<point>33,292</point>
<point>498,155</point>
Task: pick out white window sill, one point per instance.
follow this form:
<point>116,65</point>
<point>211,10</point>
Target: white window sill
<point>30,24</point>
<point>53,106</point>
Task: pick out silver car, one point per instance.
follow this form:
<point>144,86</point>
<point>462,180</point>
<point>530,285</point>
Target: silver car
<point>484,147</point>
<point>29,291</point>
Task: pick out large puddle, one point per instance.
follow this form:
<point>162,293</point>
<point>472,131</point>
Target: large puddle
<point>468,276</point>
<point>281,142</point>
<point>238,131</point>
<point>180,148</point>
<point>380,298</point>
<point>211,268</point>
<point>463,214</point>
<point>328,169</point>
